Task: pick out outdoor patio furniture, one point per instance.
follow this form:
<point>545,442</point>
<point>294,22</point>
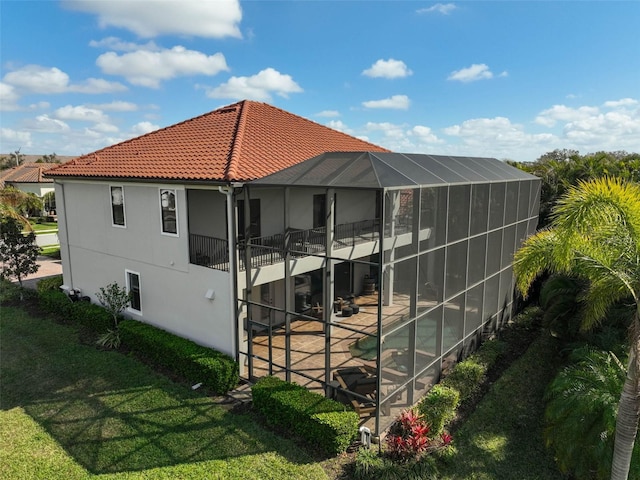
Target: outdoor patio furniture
<point>362,381</point>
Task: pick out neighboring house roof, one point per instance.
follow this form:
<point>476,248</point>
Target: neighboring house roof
<point>26,173</point>
<point>392,170</point>
<point>243,141</point>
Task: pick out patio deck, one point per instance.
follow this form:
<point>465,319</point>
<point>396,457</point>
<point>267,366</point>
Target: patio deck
<point>308,349</point>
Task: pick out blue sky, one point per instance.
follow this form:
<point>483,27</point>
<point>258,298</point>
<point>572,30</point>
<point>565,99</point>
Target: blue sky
<point>507,79</point>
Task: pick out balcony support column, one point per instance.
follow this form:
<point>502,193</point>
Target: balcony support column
<point>327,308</point>
<point>288,290</point>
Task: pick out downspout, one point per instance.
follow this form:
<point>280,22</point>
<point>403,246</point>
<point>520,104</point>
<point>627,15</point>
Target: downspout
<point>233,283</point>
<point>66,235</point>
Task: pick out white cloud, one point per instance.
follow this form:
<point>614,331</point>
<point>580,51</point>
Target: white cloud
<point>388,69</point>
<point>398,102</point>
<point>104,127</point>
<point>13,139</point>
<point>209,19</point>
<point>340,126</point>
<point>114,43</point>
<point>474,72</point>
<point>80,113</point>
<point>8,97</point>
<point>256,87</point>
<point>328,113</point>
<point>116,106</point>
<point>37,79</point>
<point>388,129</point>
<point>443,8</point>
<point>148,68</point>
<point>425,135</point>
<point>623,102</point>
<point>44,80</point>
<point>96,86</point>
<point>46,124</point>
<point>141,128</point>
<point>551,116</point>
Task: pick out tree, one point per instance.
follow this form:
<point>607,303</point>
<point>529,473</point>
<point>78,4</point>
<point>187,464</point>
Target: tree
<point>581,413</point>
<point>595,236</point>
<point>17,158</point>
<point>561,169</point>
<point>18,252</point>
<point>52,158</point>
<point>16,204</point>
<point>114,299</point>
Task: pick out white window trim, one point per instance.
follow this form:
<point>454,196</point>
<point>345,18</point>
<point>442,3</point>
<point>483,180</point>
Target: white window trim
<point>124,207</point>
<point>175,193</point>
<point>128,286</point>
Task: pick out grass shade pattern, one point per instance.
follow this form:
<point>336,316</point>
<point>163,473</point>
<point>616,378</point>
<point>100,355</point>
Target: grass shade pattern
<point>82,412</point>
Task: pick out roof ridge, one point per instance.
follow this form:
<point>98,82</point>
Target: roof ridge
<point>236,145</point>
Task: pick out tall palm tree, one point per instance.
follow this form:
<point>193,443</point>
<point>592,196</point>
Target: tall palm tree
<point>595,235</point>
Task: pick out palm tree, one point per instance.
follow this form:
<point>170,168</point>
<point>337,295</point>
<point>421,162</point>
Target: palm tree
<point>15,203</point>
<point>581,413</point>
<point>595,236</point>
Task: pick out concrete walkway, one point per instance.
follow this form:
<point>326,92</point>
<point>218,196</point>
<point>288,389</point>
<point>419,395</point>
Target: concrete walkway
<point>49,267</point>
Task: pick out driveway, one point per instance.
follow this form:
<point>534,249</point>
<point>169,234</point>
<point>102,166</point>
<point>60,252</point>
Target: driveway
<point>48,268</point>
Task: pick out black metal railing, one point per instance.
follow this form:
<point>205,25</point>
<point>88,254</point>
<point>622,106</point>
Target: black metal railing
<point>264,250</point>
<point>351,234</point>
<point>213,252</point>
<point>209,252</point>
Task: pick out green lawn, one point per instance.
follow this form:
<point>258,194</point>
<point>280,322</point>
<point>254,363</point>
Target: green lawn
<point>44,227</point>
<point>70,411</point>
<point>502,439</point>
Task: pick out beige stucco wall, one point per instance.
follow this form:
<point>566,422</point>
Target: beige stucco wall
<point>96,253</point>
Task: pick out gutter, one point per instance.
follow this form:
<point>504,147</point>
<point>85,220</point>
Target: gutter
<point>228,190</point>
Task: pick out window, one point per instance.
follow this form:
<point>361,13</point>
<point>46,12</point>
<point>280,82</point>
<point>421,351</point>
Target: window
<point>169,211</point>
<point>117,206</point>
<point>133,287</point>
<point>319,210</point>
<point>254,205</point>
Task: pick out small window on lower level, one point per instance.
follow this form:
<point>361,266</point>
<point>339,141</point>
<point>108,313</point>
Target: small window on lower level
<point>133,287</point>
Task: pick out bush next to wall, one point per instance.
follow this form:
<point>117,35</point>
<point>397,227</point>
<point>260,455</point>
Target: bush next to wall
<point>438,407</point>
<point>317,419</point>
<point>50,284</point>
<point>193,362</point>
<point>87,314</point>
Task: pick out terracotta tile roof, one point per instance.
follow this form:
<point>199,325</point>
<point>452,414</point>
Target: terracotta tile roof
<point>26,173</point>
<point>239,142</point>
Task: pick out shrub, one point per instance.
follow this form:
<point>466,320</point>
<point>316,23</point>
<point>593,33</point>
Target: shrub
<point>582,404</point>
<point>438,407</point>
<point>367,464</point>
<point>86,314</point>
<point>9,293</point>
<point>50,284</point>
<point>193,362</point>
<point>465,377</point>
<point>114,299</point>
<point>490,351</point>
<point>319,420</point>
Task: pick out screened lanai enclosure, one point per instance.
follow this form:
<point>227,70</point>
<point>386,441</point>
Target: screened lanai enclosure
<point>364,276</point>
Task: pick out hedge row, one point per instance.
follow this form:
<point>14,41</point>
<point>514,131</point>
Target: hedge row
<point>193,362</point>
<point>319,420</point>
<point>87,314</point>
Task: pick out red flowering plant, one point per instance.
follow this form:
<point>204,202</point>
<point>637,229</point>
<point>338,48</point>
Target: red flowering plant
<point>408,437</point>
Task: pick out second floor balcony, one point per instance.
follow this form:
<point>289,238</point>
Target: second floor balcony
<point>213,252</point>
